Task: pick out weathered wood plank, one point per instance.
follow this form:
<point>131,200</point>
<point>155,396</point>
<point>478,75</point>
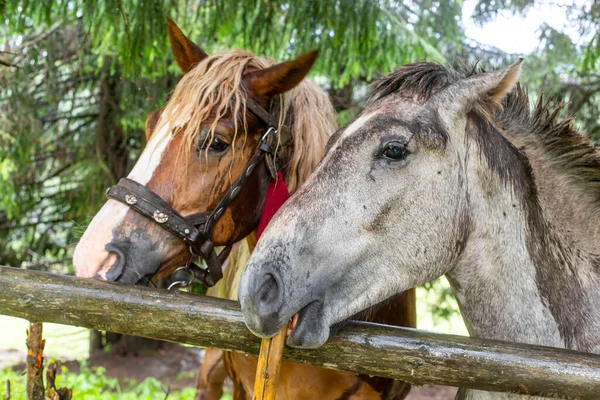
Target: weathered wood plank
<point>414,356</point>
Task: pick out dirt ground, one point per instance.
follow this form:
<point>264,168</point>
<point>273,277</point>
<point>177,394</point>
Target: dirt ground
<point>177,367</point>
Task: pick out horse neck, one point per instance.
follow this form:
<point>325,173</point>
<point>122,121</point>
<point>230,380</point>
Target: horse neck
<point>519,278</point>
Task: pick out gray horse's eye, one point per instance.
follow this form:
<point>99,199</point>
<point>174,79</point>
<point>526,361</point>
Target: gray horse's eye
<point>395,151</point>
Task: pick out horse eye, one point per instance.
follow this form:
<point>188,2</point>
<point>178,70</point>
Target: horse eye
<point>395,151</point>
<point>217,145</point>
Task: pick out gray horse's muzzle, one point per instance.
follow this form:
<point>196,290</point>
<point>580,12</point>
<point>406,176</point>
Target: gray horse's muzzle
<point>261,295</point>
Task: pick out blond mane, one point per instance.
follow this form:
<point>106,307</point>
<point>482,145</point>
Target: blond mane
<point>213,88</point>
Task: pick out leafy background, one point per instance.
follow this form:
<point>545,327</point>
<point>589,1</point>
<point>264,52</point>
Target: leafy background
<point>78,78</point>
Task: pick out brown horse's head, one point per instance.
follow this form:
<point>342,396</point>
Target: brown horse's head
<point>198,144</point>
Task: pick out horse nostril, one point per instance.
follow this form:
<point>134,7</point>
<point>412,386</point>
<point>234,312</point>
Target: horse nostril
<point>268,290</point>
<point>115,271</point>
<point>269,295</point>
<point>262,295</point>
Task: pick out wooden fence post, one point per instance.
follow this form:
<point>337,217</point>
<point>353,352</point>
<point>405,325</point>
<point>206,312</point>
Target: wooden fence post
<point>269,363</point>
<point>35,361</point>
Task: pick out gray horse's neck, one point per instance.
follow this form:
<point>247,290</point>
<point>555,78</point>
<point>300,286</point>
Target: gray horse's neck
<point>521,279</point>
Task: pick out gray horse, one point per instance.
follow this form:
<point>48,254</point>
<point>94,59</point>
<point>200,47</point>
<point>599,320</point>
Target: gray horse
<point>444,172</point>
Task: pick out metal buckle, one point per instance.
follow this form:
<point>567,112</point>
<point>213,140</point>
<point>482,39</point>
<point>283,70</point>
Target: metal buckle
<point>268,132</point>
<point>266,147</point>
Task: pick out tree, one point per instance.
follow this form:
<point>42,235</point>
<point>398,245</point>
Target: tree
<point>566,69</point>
<point>78,78</point>
<point>65,134</point>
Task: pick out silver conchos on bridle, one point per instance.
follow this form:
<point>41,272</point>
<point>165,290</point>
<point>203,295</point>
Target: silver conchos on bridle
<point>160,217</point>
<point>130,199</point>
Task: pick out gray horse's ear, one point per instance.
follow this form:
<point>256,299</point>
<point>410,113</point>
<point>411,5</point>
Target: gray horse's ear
<point>491,87</point>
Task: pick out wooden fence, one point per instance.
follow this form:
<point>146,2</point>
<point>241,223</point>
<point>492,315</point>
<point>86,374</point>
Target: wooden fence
<point>372,349</point>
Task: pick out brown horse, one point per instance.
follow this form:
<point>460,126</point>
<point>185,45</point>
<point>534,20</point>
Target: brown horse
<point>199,146</point>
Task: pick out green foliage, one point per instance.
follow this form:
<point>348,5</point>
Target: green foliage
<point>565,68</point>
<point>584,16</point>
<point>356,38</point>
<point>443,305</point>
<point>72,115</point>
<point>65,135</point>
<point>89,72</point>
<point>93,384</point>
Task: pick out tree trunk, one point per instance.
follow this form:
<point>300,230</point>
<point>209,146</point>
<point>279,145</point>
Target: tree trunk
<point>111,145</point>
<point>96,342</point>
<point>342,98</point>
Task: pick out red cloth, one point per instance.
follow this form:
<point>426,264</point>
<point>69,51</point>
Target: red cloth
<point>277,194</point>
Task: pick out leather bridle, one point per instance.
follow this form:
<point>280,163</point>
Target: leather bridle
<point>196,229</point>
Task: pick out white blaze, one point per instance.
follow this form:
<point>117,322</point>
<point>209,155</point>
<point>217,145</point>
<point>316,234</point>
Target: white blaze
<point>90,257</point>
<point>357,124</point>
<point>152,155</point>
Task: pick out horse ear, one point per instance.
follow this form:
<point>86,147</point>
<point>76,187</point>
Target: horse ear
<point>187,53</point>
<point>489,86</point>
<point>504,81</point>
<point>280,78</point>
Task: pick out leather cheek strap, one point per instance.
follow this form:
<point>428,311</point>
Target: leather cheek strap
<point>149,204</point>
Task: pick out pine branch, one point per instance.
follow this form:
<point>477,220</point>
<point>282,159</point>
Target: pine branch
<point>8,64</point>
<point>40,37</point>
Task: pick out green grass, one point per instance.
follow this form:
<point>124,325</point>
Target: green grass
<point>92,384</point>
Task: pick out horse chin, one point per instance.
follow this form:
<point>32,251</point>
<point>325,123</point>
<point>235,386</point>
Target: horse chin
<point>312,329</point>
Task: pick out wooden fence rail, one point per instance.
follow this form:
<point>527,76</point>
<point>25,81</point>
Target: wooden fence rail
<point>411,355</point>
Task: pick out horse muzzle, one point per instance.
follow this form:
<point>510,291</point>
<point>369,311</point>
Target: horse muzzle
<point>261,295</point>
<point>267,305</point>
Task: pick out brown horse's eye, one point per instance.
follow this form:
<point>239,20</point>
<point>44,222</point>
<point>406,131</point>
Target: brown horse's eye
<point>216,144</point>
<point>395,151</point>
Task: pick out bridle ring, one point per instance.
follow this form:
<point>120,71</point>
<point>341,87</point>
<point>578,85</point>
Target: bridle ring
<point>181,283</point>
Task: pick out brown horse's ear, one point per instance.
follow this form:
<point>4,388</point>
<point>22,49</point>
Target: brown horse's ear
<point>187,53</point>
<point>282,77</point>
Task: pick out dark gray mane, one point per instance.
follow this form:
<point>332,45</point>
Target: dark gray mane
<point>567,148</point>
<point>417,80</point>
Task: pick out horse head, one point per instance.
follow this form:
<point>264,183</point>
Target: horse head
<point>202,177</point>
<point>387,209</point>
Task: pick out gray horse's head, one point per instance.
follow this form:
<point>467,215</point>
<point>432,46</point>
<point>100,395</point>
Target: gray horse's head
<point>387,209</point>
